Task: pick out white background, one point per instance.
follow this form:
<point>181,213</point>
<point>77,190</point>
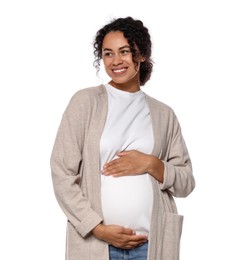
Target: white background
<point>46,55</point>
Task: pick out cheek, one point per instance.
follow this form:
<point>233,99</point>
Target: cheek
<point>107,69</point>
<point>132,64</point>
<point>106,63</point>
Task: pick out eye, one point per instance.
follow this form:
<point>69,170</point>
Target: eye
<point>107,54</point>
<point>125,52</point>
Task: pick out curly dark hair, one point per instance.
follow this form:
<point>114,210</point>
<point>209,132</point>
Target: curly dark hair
<point>138,38</point>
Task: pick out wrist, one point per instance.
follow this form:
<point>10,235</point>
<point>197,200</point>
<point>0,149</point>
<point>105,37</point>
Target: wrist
<point>98,231</point>
<point>156,168</point>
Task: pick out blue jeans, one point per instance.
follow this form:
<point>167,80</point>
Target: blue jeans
<point>138,253</point>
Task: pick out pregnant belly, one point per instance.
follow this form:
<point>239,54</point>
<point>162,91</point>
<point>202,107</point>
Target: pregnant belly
<point>127,201</point>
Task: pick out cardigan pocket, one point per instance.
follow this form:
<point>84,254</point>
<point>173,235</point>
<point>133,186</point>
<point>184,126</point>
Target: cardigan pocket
<point>171,235</point>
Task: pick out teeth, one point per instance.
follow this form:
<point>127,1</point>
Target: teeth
<point>118,71</point>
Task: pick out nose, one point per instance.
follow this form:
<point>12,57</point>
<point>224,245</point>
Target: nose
<point>117,59</point>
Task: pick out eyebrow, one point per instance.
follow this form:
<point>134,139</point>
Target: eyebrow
<point>123,47</point>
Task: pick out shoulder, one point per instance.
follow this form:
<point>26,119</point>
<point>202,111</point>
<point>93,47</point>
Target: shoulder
<point>87,95</point>
<point>158,105</point>
<point>162,113</point>
<point>88,92</point>
<point>84,99</point>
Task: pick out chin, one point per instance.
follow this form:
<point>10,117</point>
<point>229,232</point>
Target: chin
<point>119,82</point>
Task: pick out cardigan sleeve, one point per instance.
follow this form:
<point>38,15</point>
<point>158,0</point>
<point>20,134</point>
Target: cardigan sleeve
<point>178,176</point>
<point>66,161</point>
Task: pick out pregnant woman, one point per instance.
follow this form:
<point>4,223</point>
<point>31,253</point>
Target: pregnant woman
<point>119,158</point>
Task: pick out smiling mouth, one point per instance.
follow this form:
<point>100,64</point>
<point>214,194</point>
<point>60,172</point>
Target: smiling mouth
<point>119,71</point>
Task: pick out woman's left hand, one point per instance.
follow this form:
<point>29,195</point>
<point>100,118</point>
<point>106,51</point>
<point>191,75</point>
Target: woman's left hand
<point>134,163</point>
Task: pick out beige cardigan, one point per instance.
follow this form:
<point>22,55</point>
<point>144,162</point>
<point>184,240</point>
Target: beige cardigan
<point>76,176</point>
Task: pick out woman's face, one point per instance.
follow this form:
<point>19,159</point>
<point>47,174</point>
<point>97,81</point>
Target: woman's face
<point>118,63</point>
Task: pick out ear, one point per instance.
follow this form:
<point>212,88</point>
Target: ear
<point>142,59</point>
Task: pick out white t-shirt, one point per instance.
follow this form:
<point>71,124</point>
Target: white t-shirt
<point>127,200</point>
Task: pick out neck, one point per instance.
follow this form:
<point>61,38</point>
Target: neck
<point>128,87</point>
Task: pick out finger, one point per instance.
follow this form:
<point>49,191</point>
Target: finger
<point>111,163</point>
<point>114,172</point>
<point>132,245</point>
<point>128,231</point>
<point>130,235</point>
<point>123,153</point>
<point>114,167</point>
<point>119,168</point>
<point>108,168</point>
<point>139,238</point>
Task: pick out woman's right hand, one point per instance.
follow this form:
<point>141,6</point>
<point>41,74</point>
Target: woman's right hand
<point>118,236</point>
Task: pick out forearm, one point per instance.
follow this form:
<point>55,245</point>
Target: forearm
<point>178,180</point>
<point>98,231</point>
